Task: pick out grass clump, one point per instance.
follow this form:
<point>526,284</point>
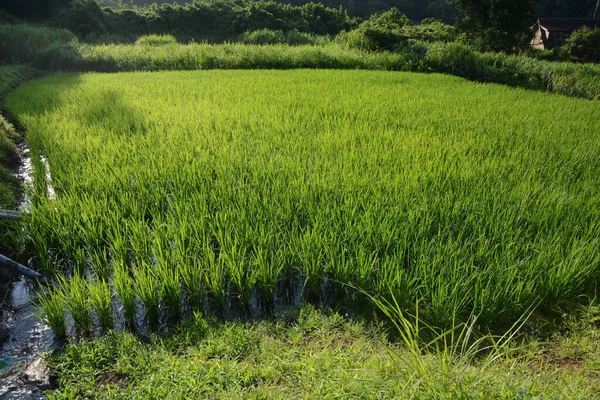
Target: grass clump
<point>78,302</point>
<point>269,36</point>
<point>25,43</point>
<point>156,40</point>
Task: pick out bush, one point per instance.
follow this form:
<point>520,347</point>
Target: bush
<point>431,31</point>
<point>83,17</point>
<point>389,21</point>
<point>455,59</point>
<point>263,36</point>
<point>156,40</point>
<point>583,44</point>
<point>24,43</point>
<point>380,32</point>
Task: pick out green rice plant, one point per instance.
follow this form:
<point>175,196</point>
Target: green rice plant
<point>101,303</point>
<point>126,290</point>
<point>214,278</point>
<point>78,303</point>
<point>51,310</point>
<point>147,291</point>
<point>474,199</point>
<point>168,274</point>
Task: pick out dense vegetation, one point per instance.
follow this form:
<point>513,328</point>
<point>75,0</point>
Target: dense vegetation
<point>415,9</point>
<point>248,189</point>
<point>490,24</point>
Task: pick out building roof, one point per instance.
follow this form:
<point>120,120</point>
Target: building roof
<point>567,24</point>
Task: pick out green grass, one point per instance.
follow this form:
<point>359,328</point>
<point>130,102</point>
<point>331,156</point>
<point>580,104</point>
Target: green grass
<point>226,188</point>
<point>312,355</point>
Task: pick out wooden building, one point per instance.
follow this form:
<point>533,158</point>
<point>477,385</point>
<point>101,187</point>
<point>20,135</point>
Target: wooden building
<point>551,32</point>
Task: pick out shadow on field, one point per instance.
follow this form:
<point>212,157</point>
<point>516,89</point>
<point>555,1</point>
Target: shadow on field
<point>107,111</point>
<point>103,109</point>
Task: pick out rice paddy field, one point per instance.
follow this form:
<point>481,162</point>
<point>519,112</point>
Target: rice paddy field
<point>158,195</point>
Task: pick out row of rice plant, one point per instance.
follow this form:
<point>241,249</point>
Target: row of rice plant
<point>240,191</point>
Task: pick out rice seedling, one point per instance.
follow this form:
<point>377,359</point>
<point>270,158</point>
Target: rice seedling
<point>78,302</point>
<point>147,291</point>
<point>51,310</point>
<point>125,289</point>
<point>101,303</point>
<point>224,185</point>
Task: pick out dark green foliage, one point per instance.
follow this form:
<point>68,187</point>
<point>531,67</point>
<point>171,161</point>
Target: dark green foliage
<point>35,10</point>
<point>214,20</point>
<point>566,9</point>
<point>380,32</point>
<point>497,24</point>
<point>583,44</point>
<point>7,18</point>
<point>267,36</point>
<point>391,20</point>
<point>416,10</point>
<point>84,17</point>
<point>24,43</point>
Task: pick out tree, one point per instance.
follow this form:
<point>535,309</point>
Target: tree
<point>583,44</point>
<point>497,24</point>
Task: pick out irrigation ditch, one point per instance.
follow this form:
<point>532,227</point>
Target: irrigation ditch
<point>23,338</point>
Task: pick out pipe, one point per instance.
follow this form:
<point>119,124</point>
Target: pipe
<point>21,269</point>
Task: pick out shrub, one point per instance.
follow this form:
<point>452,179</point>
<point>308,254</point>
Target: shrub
<point>380,32</point>
<point>156,40</point>
<point>6,18</point>
<point>391,20</point>
<point>23,43</point>
<point>583,44</point>
<point>263,36</point>
<point>455,59</point>
<point>431,31</point>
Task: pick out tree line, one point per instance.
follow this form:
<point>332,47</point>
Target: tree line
<point>487,24</point>
<point>414,9</point>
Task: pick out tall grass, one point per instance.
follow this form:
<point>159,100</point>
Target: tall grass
<point>217,188</point>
